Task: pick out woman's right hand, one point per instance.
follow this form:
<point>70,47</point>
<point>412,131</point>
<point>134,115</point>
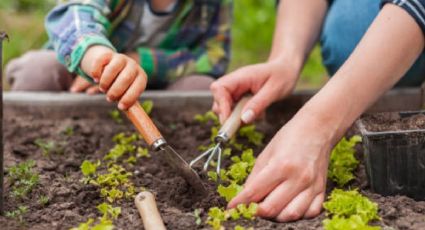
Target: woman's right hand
<point>268,82</point>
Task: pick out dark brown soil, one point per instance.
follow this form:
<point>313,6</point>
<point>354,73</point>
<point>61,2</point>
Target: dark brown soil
<point>393,122</point>
<point>71,202</point>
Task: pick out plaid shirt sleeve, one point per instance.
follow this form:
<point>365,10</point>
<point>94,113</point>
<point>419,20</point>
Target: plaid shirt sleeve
<point>210,56</point>
<point>74,27</point>
<point>416,8</point>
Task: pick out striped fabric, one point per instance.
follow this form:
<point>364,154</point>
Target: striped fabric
<point>197,42</point>
<point>416,8</point>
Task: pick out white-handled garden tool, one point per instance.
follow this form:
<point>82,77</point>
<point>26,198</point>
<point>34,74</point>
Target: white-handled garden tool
<point>145,203</point>
<point>226,132</point>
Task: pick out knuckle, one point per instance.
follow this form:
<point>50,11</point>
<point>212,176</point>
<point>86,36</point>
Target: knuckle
<point>291,215</point>
<point>269,211</point>
<point>306,176</point>
<point>112,95</point>
<point>214,86</point>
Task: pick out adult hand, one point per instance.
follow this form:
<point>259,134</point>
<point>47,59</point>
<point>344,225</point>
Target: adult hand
<point>268,82</point>
<point>119,76</point>
<point>82,85</point>
<point>289,177</point>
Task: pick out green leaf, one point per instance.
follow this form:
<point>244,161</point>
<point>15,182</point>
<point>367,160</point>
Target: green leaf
<point>343,162</point>
<point>197,215</point>
<point>143,152</point>
<point>207,117</point>
<point>147,106</point>
<point>354,222</point>
<point>248,212</point>
<point>212,176</point>
<point>347,203</point>
<point>238,171</point>
<point>252,135</point>
<point>88,168</point>
<point>116,116</point>
<point>230,191</point>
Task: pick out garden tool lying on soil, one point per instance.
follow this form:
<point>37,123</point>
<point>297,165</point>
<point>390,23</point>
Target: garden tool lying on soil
<point>148,210</point>
<point>226,132</point>
<point>156,142</point>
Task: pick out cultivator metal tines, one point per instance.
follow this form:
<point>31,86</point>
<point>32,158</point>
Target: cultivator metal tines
<point>226,132</point>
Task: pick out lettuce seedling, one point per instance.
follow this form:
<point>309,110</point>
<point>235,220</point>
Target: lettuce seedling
<point>147,106</point>
<point>23,178</point>
<point>238,227</point>
<point>88,168</point>
<point>197,215</point>
<point>90,225</point>
<point>142,152</point>
<point>68,131</point>
<point>354,222</point>
<point>48,147</point>
<point>230,191</point>
<point>209,116</point>
<point>345,204</point>
<point>116,116</point>
<point>18,213</point>
<point>216,216</point>
<point>342,161</point>
<point>108,212</point>
<point>253,136</point>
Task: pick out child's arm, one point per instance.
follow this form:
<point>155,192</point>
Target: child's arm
<point>210,57</point>
<point>74,27</point>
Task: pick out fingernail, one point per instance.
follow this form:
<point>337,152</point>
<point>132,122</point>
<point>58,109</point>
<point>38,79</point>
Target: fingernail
<point>96,80</point>
<point>247,116</point>
<point>108,99</point>
<point>121,106</point>
<point>73,90</point>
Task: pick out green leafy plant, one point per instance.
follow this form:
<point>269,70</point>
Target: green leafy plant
<point>43,200</point>
<point>230,191</point>
<point>207,117</point>
<point>349,208</point>
<point>91,225</point>
<point>354,222</point>
<point>18,213</point>
<point>197,215</point>
<point>142,152</point>
<point>108,212</point>
<point>115,184</point>
<point>116,116</point>
<point>342,161</point>
<point>23,178</point>
<point>68,131</point>
<point>253,136</point>
<point>216,216</point>
<point>147,106</point>
<point>88,168</point>
<point>48,147</point>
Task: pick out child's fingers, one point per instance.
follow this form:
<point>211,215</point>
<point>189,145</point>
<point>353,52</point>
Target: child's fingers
<point>79,85</point>
<point>133,93</point>
<point>111,71</point>
<point>93,90</point>
<point>98,65</point>
<point>122,82</point>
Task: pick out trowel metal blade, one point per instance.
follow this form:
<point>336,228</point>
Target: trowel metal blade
<point>182,167</point>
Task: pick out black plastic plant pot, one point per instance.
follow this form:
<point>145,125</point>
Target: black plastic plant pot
<point>395,160</point>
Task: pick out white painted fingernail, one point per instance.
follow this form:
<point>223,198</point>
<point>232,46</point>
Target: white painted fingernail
<point>247,116</point>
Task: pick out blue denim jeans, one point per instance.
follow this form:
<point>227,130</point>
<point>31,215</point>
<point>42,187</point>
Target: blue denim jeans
<point>345,25</point>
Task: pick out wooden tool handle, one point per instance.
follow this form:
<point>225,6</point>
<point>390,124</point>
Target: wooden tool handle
<point>232,124</point>
<point>145,203</point>
<point>143,124</point>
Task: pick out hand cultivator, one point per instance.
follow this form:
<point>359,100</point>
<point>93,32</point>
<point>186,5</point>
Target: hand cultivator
<point>225,133</point>
<point>156,142</point>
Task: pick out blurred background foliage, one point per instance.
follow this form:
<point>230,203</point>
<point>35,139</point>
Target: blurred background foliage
<point>253,27</point>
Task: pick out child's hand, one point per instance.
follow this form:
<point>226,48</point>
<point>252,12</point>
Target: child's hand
<point>82,85</point>
<point>119,77</point>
